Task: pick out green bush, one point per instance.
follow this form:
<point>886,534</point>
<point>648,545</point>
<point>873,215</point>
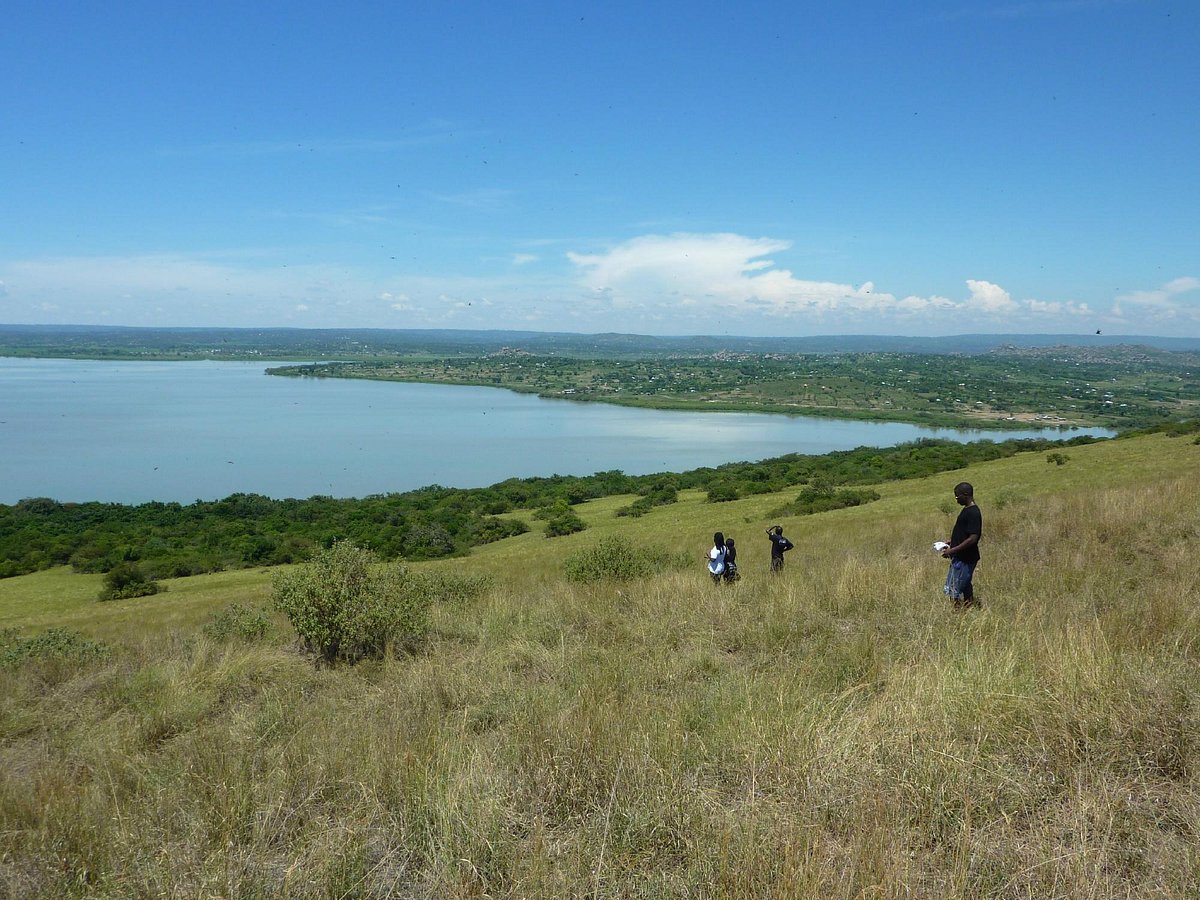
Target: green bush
<point>238,622</point>
<point>560,519</point>
<point>617,558</point>
<point>345,605</point>
<point>637,508</point>
<point>125,580</point>
<point>491,528</point>
<point>56,643</point>
<point>660,495</point>
<point>723,492</point>
<point>567,523</point>
<point>821,498</point>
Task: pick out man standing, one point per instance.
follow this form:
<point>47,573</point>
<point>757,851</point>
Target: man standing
<point>779,546</point>
<point>963,549</point>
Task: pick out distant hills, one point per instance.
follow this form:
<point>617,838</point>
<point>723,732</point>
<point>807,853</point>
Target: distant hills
<point>279,343</point>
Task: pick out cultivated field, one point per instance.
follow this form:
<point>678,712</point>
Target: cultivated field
<point>837,731</point>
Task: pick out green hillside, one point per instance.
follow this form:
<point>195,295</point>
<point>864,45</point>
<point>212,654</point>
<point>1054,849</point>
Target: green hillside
<point>837,731</point>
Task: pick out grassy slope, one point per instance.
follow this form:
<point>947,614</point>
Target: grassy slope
<point>837,731</point>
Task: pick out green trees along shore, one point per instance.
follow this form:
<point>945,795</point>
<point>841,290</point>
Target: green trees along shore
<point>171,540</point>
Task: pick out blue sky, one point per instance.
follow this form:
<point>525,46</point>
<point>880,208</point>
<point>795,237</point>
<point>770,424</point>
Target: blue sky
<point>668,168</point>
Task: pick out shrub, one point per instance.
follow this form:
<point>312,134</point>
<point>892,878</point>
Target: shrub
<point>56,643</point>
<point>240,622</point>
<point>722,492</point>
<point>620,559</point>
<point>660,495</point>
<point>821,498</point>
<point>560,519</point>
<point>344,605</point>
<point>491,528</point>
<point>638,507</point>
<point>999,499</point>
<point>566,523</point>
<point>126,580</point>
<point>428,540</point>
<point>1058,459</point>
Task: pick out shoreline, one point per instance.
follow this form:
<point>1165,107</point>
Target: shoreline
<point>964,423</point>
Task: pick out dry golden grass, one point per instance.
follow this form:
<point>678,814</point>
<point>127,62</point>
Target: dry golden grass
<point>835,732</point>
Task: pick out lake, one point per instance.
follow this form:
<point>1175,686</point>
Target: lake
<point>131,432</point>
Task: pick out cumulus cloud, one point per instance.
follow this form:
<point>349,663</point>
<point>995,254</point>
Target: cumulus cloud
<point>674,283</point>
<point>736,274</point>
<point>725,270</point>
<point>990,298</point>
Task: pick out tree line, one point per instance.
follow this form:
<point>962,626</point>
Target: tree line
<point>246,530</point>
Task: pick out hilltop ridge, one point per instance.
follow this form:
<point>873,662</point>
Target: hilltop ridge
<point>350,343</point>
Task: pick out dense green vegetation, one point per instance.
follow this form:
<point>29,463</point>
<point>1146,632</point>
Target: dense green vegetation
<point>1118,387</point>
<point>171,540</point>
<point>126,580</point>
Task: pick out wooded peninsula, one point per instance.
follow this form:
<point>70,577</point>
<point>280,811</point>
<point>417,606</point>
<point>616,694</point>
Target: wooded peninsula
<point>976,381</point>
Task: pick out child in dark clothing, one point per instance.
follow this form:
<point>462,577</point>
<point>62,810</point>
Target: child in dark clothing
<point>731,569</point>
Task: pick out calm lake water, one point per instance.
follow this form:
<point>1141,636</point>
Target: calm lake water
<point>130,432</point>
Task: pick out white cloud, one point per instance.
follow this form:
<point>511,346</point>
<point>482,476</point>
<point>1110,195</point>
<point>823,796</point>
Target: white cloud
<point>176,289</point>
<point>1179,297</point>
<point>735,275</point>
<point>1182,285</point>
<point>397,302</point>
<point>1057,308</point>
<point>518,259</point>
<point>674,284</point>
<point>714,270</point>
<point>990,298</point>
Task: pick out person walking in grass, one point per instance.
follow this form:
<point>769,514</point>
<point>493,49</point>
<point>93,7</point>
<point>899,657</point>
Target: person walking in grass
<point>963,549</point>
<point>779,546</point>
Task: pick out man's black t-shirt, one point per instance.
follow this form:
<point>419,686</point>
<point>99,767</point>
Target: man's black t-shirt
<point>779,545</point>
<point>970,521</point>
